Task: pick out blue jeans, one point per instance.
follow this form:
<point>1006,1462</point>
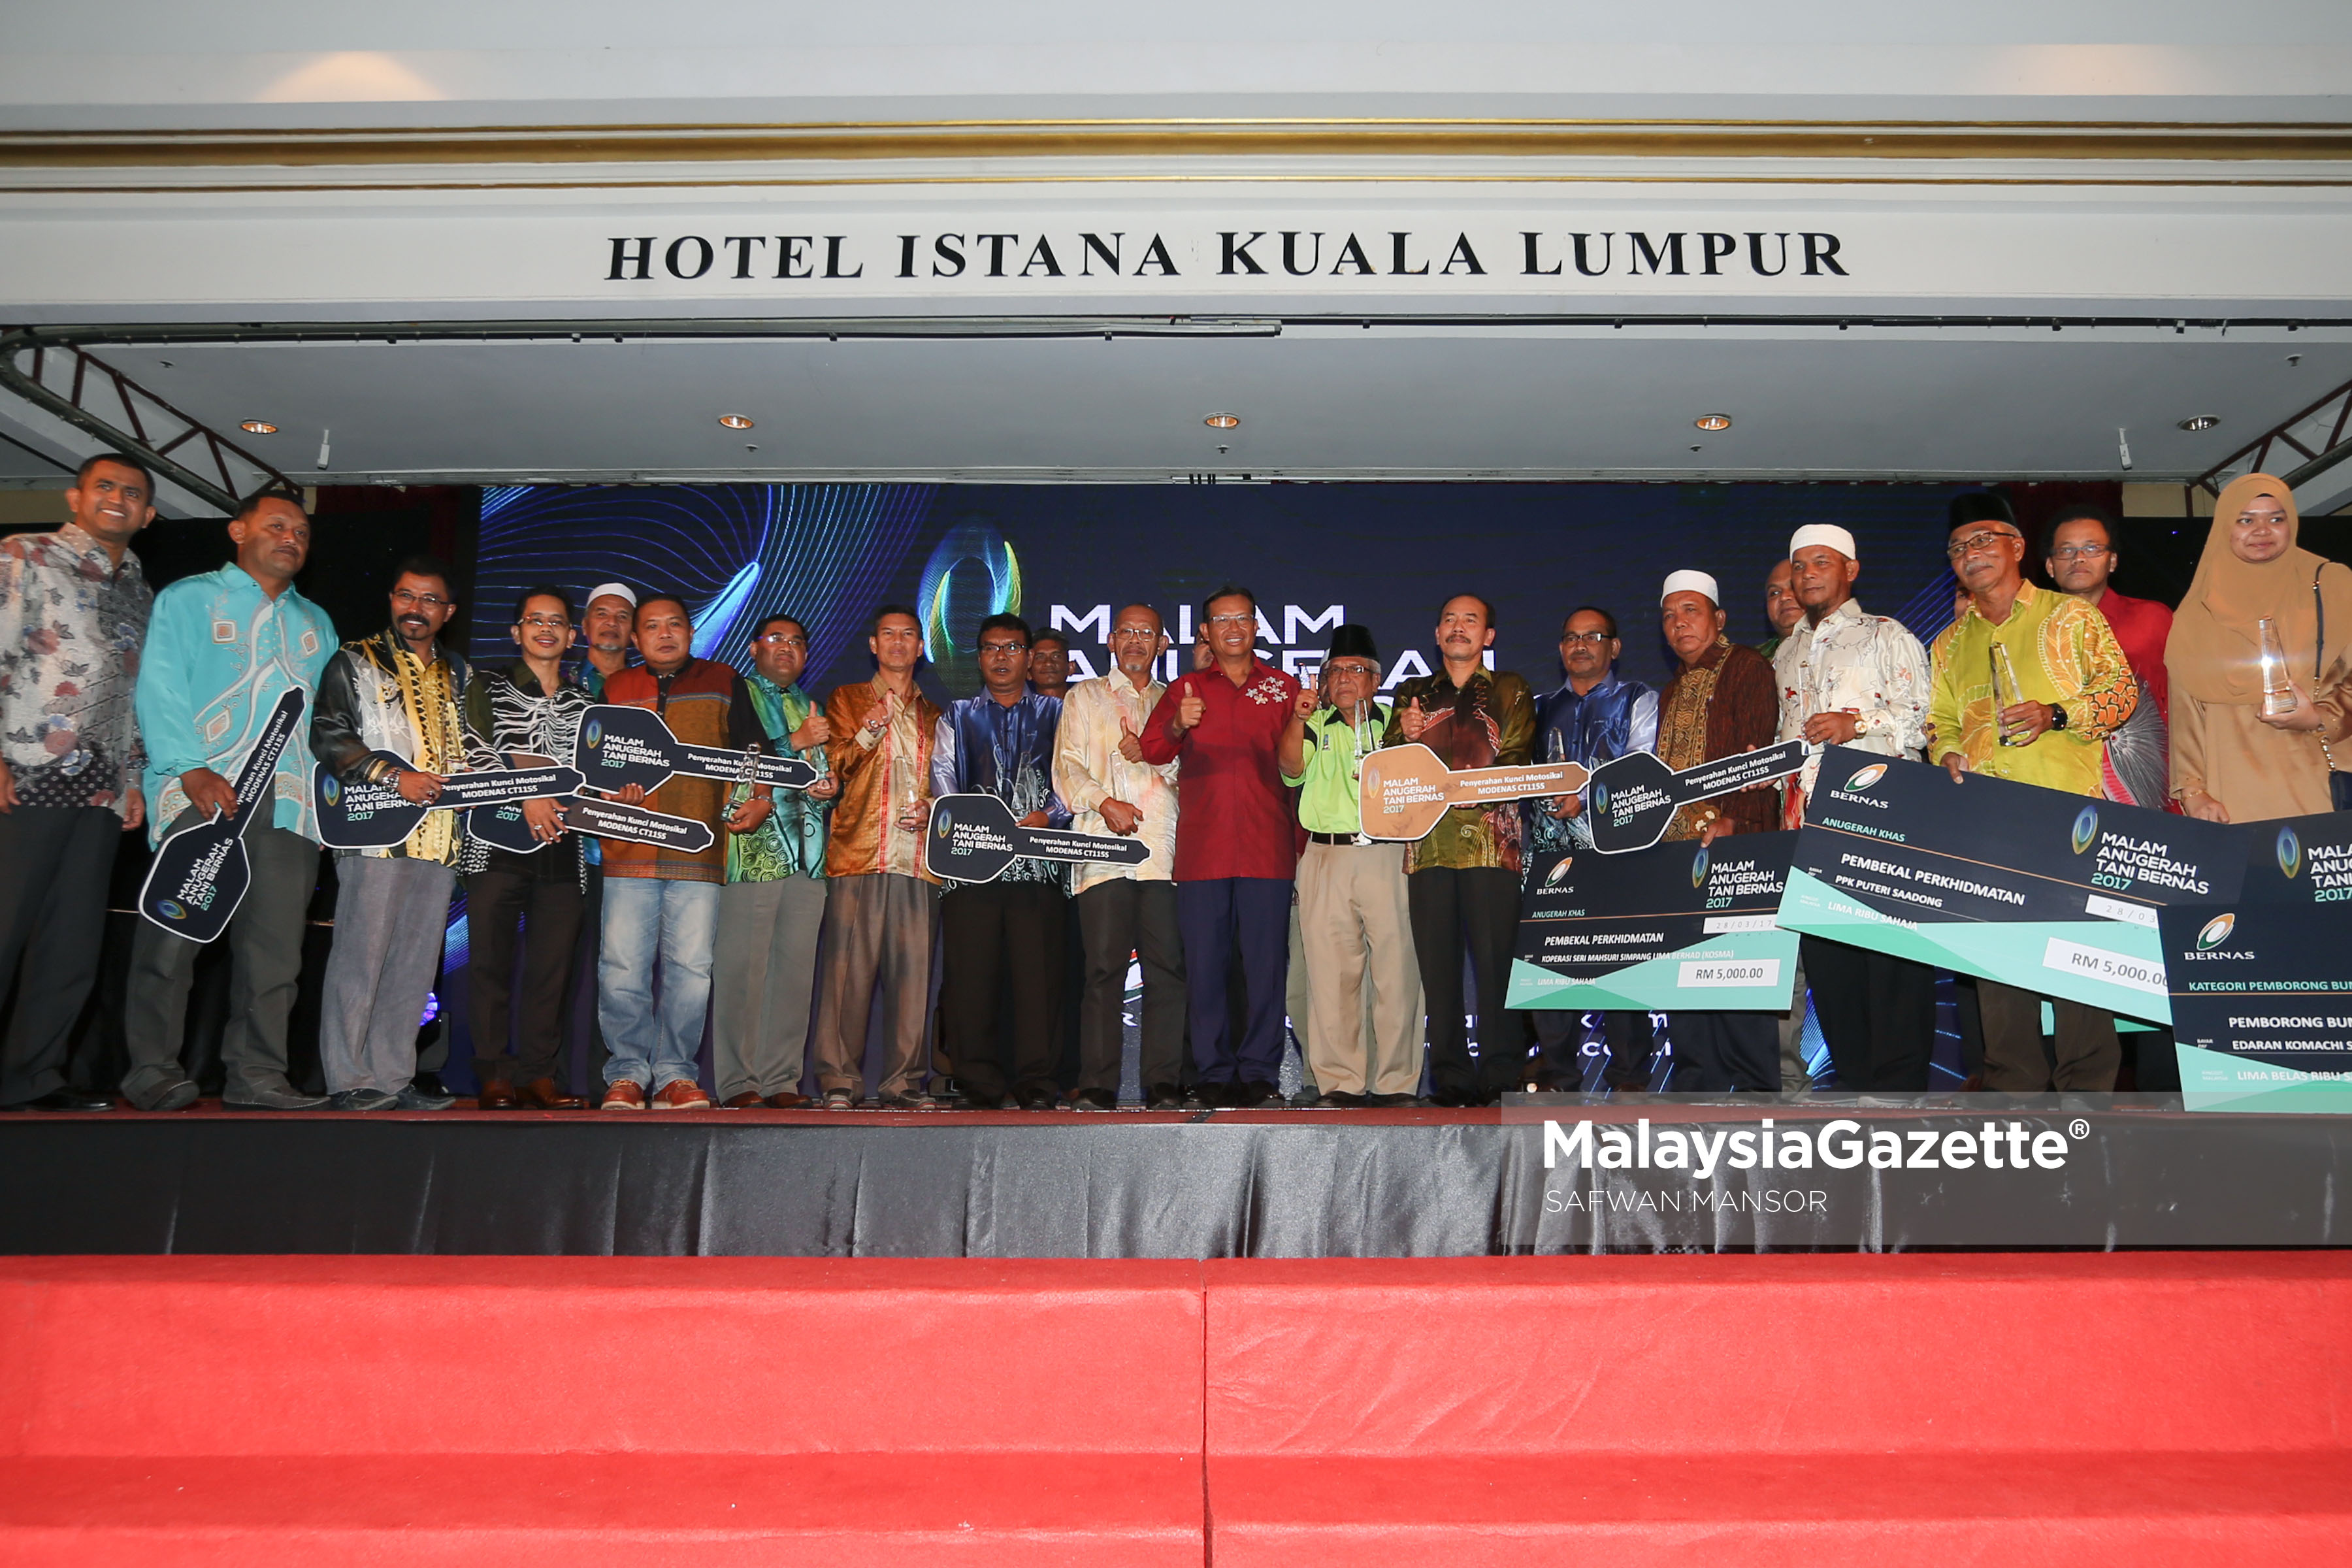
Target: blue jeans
<point>647,922</point>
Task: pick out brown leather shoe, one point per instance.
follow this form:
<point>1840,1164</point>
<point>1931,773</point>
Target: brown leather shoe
<point>546,1094</point>
<point>681,1094</point>
<point>623,1095</point>
<point>789,1102</point>
<point>497,1095</point>
<point>747,1101</point>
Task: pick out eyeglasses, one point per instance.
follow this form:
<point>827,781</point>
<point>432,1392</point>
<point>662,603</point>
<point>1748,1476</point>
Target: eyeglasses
<point>429,601</point>
<point>1231,620</point>
<point>1004,647</point>
<point>1133,634</point>
<point>781,639</point>
<point>2078,552</point>
<point>547,623</point>
<point>1980,544</point>
<point>1595,639</point>
<point>1367,671</point>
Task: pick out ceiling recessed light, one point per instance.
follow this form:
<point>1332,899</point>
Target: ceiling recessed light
<point>1222,421</point>
<point>258,428</point>
<point>1712,421</point>
<point>735,421</point>
<point>2200,422</point>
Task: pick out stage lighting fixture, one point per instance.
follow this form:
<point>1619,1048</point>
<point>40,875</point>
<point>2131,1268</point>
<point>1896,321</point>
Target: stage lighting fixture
<point>735,421</point>
<point>2200,422</point>
<point>258,428</point>
<point>1712,421</point>
<point>1222,421</point>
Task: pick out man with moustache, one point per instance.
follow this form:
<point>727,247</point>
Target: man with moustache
<point>1355,918</point>
<point>1720,702</point>
<point>1006,935</point>
<point>1235,849</point>
<point>1049,665</point>
<point>525,715</point>
<point>222,648</point>
<point>73,611</point>
<point>1595,717</point>
<point>607,621</point>
<point>1847,679</point>
<point>1101,775</point>
<point>396,693</point>
<point>661,903</point>
<point>2081,558</point>
<point>2075,688</point>
<point>881,905</point>
<point>773,907</point>
<point>1464,877</point>
<point>1781,610</point>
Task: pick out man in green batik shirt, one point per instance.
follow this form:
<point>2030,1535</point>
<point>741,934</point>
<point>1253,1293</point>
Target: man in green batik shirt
<point>763,967</point>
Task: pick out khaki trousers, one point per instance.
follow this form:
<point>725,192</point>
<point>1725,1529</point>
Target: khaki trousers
<point>877,933</point>
<point>2088,1052</point>
<point>1356,927</point>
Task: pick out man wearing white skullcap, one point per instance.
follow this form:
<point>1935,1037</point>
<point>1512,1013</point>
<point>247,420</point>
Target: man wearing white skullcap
<point>1847,679</point>
<point>1718,704</point>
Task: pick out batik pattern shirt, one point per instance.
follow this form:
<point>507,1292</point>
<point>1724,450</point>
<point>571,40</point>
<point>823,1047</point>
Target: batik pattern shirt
<point>1590,728</point>
<point>1868,666</point>
<point>2064,654</point>
<point>982,746</point>
<point>220,653</point>
<point>508,716</point>
<point>71,623</point>
<point>1490,722</point>
<point>791,842</point>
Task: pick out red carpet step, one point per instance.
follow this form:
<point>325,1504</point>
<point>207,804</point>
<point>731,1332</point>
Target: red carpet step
<point>2149,1408</point>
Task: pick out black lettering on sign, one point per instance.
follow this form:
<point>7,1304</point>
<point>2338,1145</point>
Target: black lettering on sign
<point>1240,253</point>
<point>637,253</point>
<point>743,244</point>
<point>701,250</point>
<point>832,243</point>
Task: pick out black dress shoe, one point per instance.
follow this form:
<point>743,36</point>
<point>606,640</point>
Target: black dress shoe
<point>62,1099</point>
<point>1163,1097</point>
<point>1214,1096</point>
<point>1391,1101</point>
<point>1038,1099</point>
<point>1337,1100</point>
<point>1254,1092</point>
<point>1095,1099</point>
<point>975,1100</point>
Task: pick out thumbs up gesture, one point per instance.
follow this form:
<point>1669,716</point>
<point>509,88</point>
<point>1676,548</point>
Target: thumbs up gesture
<point>1412,720</point>
<point>879,719</point>
<point>1130,744</point>
<point>1190,709</point>
<point>1303,706</point>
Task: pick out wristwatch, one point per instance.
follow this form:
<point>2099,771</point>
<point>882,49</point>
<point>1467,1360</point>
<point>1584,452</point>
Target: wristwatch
<point>2057,717</point>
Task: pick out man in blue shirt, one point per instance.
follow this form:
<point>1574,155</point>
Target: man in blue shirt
<point>222,648</point>
<point>1594,718</point>
<point>1008,932</point>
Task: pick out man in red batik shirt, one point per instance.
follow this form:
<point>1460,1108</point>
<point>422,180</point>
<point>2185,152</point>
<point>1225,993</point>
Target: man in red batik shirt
<point>2081,558</point>
<point>1237,851</point>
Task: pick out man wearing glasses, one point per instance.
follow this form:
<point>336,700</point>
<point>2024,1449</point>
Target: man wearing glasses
<point>1236,850</point>
<point>2073,688</point>
<point>397,692</point>
<point>1100,774</point>
<point>763,963</point>
<point>2082,557</point>
<point>1006,934</point>
<point>1593,718</point>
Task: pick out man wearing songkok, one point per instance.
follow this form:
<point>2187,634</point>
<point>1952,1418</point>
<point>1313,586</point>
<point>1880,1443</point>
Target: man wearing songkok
<point>395,694</point>
<point>525,715</point>
<point>1235,852</point>
<point>881,906</point>
<point>763,964</point>
<point>2074,688</point>
<point>1464,877</point>
<point>1354,919</point>
<point>661,902</point>
<point>1719,704</point>
<point>222,648</point>
<point>2081,557</point>
<point>1848,678</point>
<point>73,611</point>
<point>1100,774</point>
<point>1004,936</point>
<point>1594,717</point>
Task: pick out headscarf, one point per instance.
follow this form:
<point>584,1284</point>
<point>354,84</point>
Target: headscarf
<point>2214,651</point>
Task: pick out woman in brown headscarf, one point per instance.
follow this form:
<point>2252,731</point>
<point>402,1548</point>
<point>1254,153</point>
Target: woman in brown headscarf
<point>2230,762</point>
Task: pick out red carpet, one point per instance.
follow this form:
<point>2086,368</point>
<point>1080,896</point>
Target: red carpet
<point>2158,1409</point>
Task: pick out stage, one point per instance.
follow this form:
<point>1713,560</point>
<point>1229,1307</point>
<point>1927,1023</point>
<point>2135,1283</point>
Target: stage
<point>1542,1174</point>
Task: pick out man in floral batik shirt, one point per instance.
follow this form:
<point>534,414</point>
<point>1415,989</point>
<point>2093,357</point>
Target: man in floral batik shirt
<point>73,613</point>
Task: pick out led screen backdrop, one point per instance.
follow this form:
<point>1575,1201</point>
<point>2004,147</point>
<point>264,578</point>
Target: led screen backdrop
<point>1068,556</point>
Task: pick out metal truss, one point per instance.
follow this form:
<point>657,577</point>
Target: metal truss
<point>65,380</point>
<point>2317,435</point>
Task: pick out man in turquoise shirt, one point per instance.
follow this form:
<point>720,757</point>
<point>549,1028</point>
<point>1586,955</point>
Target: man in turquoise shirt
<point>221,649</point>
<point>1355,923</point>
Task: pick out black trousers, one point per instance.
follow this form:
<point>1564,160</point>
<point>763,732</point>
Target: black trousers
<point>549,908</point>
<point>54,865</point>
<point>1118,917</point>
<point>1476,909</point>
<point>1877,1014</point>
<point>994,938</point>
<point>1716,1053</point>
<point>1559,1037</point>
